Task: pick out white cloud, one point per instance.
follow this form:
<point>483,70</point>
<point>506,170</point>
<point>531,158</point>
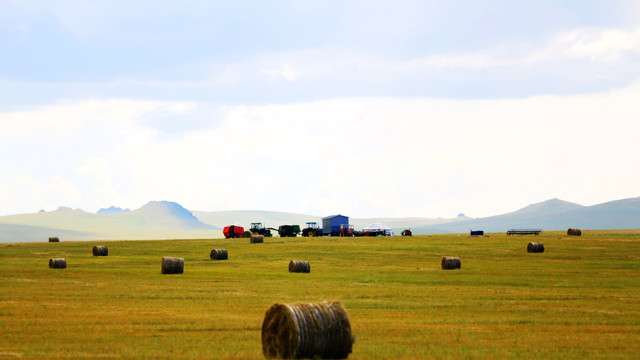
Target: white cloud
<point>603,44</point>
<point>607,44</point>
<point>285,72</point>
<point>362,157</point>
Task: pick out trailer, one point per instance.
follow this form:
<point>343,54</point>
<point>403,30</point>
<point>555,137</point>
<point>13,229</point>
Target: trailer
<point>288,230</point>
<point>332,225</point>
<point>232,231</point>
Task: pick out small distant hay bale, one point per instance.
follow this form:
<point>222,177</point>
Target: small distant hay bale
<point>574,232</point>
<point>54,239</point>
<point>219,254</point>
<point>172,265</point>
<point>299,266</point>
<point>450,262</point>
<point>309,330</point>
<point>58,263</point>
<point>247,234</point>
<point>535,247</point>
<point>256,239</point>
<point>100,251</point>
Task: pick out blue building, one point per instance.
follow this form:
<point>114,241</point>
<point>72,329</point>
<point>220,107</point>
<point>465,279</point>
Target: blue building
<point>331,224</point>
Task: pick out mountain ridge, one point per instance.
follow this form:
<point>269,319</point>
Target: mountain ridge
<point>167,220</point>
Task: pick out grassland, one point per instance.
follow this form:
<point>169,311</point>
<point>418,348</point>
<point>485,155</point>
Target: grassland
<point>579,299</point>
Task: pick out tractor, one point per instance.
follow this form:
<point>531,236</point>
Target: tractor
<point>258,229</point>
<point>406,232</point>
<point>288,230</point>
<point>347,230</point>
<point>232,231</point>
<point>311,230</point>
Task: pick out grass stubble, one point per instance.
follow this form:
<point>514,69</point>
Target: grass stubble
<point>578,299</point>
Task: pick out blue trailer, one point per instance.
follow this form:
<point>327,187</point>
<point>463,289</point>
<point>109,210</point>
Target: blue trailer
<point>477,232</point>
<point>331,225</point>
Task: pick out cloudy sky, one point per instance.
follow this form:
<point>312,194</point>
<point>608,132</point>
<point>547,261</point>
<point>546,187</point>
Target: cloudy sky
<point>365,108</point>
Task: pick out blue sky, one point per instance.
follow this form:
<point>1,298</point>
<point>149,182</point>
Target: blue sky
<point>369,108</point>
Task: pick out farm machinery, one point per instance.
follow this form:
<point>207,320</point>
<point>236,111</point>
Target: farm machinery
<point>233,231</point>
<point>288,230</point>
<point>311,229</point>
<point>258,229</point>
<point>348,230</point>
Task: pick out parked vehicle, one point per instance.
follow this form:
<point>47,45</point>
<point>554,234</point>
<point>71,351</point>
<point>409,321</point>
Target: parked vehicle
<point>311,229</point>
<point>258,229</point>
<point>406,232</point>
<point>288,230</point>
<point>232,231</point>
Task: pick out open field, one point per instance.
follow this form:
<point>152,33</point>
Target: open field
<point>579,299</point>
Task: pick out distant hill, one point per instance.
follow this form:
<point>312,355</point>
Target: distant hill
<point>559,215</point>
<point>274,219</point>
<point>246,217</point>
<point>155,220</point>
<point>20,233</point>
<point>169,220</point>
<point>112,210</point>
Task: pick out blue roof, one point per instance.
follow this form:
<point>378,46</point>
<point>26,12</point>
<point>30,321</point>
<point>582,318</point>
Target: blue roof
<point>332,216</point>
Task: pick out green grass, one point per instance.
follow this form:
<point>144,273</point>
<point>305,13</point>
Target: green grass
<point>579,299</point>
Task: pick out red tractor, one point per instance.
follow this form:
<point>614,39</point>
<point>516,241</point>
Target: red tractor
<point>406,232</point>
<point>347,230</point>
<point>233,231</point>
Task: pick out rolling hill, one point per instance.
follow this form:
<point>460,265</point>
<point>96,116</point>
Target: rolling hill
<point>155,220</point>
<point>556,214</point>
<point>169,220</point>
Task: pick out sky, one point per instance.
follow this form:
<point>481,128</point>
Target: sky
<point>364,108</point>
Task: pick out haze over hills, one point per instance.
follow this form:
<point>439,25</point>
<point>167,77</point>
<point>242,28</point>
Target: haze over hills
<point>557,214</point>
<point>169,220</point>
<point>112,210</point>
<point>155,220</point>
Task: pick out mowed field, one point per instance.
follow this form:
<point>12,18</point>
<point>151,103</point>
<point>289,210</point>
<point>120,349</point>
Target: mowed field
<point>579,299</point>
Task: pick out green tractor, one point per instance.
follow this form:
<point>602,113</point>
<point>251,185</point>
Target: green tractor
<point>258,229</point>
<point>311,230</point>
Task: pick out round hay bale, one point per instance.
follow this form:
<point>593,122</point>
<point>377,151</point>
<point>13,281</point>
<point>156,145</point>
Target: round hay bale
<point>58,263</point>
<point>100,251</point>
<point>535,247</point>
<point>246,234</point>
<point>299,266</point>
<point>256,239</point>
<point>320,330</point>
<point>450,262</point>
<point>54,239</point>
<point>172,265</point>
<point>219,254</point>
<point>574,232</point>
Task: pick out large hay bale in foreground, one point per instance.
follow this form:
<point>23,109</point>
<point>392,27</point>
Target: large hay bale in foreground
<point>450,262</point>
<point>535,247</point>
<point>54,239</point>
<point>246,234</point>
<point>172,265</point>
<point>100,251</point>
<point>219,254</point>
<point>58,263</point>
<point>320,330</point>
<point>299,266</point>
<point>256,239</point>
<point>574,232</point>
